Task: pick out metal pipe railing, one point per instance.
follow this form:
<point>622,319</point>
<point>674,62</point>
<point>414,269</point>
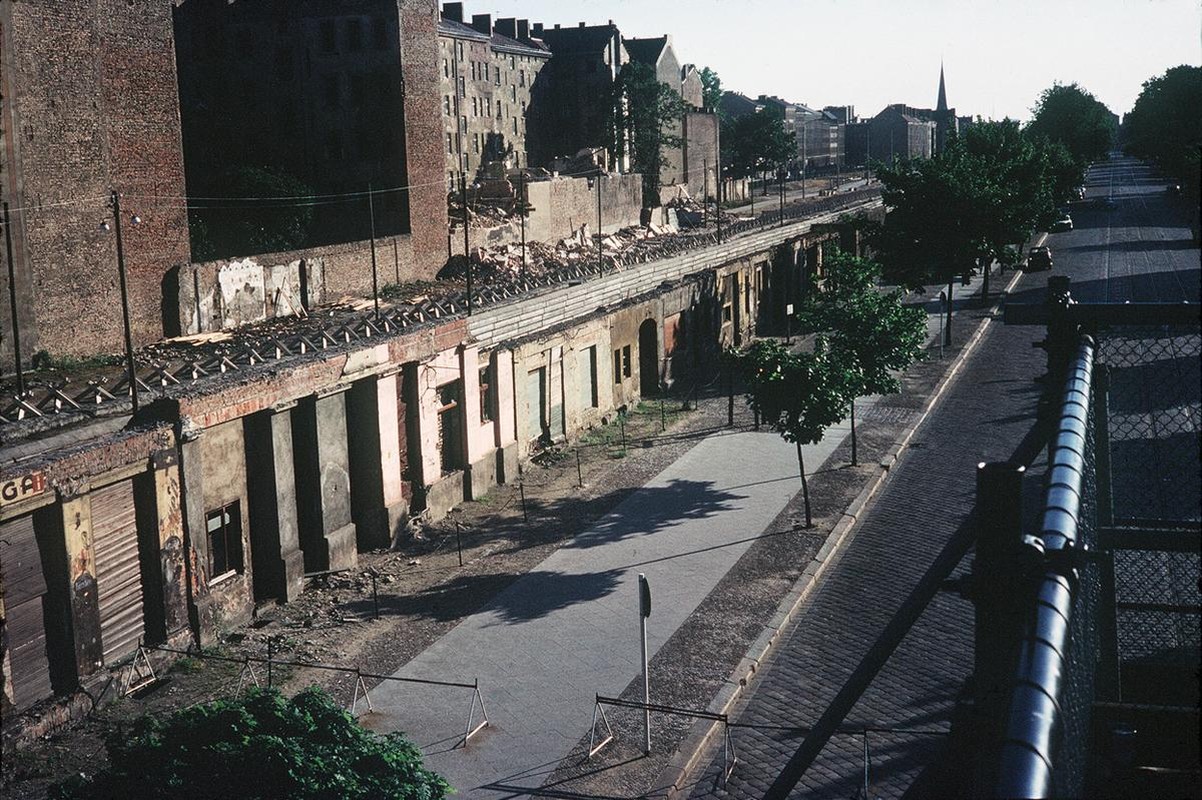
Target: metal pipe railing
<point>1027,759</point>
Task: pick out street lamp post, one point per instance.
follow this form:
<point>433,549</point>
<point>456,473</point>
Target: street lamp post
<point>467,257</point>
<point>375,284</point>
<point>130,372</point>
<point>12,298</point>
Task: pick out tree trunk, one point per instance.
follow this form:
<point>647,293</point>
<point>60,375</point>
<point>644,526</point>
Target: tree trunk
<point>854,460</point>
<point>947,329</point>
<point>985,285</point>
<point>805,486</point>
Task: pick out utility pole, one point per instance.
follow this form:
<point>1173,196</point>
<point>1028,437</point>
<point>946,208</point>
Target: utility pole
<point>803,160</point>
<point>522,212</point>
<point>781,193</point>
<point>375,283</point>
<point>130,372</point>
<point>600,264</point>
<point>467,258</point>
<point>12,299</point>
<point>705,191</point>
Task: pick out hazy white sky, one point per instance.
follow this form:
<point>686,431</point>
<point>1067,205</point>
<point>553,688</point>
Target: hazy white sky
<point>998,55</point>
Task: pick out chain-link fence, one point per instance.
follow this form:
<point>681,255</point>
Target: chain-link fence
<point>1155,408</point>
<point>1108,609</point>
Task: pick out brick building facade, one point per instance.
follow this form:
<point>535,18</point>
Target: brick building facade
<point>344,98</point>
<point>88,103</point>
<point>489,79</point>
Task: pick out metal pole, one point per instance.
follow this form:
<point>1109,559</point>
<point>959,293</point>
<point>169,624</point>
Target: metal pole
<point>579,473</point>
<point>12,298</point>
<point>947,329</point>
<point>663,425</point>
<point>600,265</point>
<point>942,299</point>
<point>458,543</point>
<point>854,460</point>
<point>705,190</point>
<point>466,255</point>
<point>646,671</point>
<point>522,209</point>
<point>375,595</point>
<point>131,374</point>
<point>375,285</point>
<point>522,492</point>
<point>718,202</point>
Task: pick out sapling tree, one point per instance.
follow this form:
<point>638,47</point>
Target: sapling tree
<point>798,395</point>
<point>868,332</point>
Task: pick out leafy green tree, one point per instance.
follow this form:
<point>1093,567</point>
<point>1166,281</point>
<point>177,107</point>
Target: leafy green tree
<point>1070,115</point>
<point>711,90</point>
<point>870,334</point>
<point>254,748</point>
<point>647,117</point>
<point>260,222</point>
<point>1165,126</point>
<point>756,142</point>
<point>798,395</point>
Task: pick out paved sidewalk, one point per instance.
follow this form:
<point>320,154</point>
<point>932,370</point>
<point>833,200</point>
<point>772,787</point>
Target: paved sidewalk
<point>569,629</point>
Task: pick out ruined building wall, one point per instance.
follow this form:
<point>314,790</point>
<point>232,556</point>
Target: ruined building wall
<point>90,103</point>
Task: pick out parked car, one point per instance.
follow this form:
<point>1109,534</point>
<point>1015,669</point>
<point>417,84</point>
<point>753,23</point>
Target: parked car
<point>1065,223</point>
<point>1039,258</point>
<point>1079,193</point>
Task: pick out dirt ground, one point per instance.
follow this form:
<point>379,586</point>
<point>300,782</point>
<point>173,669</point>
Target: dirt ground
<point>449,569</point>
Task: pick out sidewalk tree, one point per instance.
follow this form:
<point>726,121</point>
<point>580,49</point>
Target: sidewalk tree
<point>255,223</point>
<point>869,333</point>
<point>1070,115</point>
<point>647,117</point>
<point>798,395</point>
<point>258,746</point>
<point>1165,126</point>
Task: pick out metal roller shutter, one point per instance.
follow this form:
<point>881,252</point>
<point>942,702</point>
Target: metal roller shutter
<point>118,571</point>
<point>24,585</point>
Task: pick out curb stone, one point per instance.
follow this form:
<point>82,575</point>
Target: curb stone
<point>674,777</point>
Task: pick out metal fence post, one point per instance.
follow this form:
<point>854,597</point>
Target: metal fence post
<point>1109,677</point>
<point>993,589</point>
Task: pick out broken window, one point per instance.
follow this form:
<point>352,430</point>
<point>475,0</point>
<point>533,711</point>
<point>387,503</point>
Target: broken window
<point>224,529</point>
<point>486,393</point>
<point>617,366</point>
<point>626,361</point>
<point>450,434</point>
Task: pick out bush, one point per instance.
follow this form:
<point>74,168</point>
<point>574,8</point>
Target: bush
<point>258,746</point>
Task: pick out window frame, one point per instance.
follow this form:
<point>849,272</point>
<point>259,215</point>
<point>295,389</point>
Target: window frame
<point>227,523</point>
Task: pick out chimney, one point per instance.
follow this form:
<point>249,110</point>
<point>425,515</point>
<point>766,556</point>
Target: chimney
<point>556,26</point>
<point>536,30</point>
<point>482,23</point>
<point>507,26</point>
<point>523,29</point>
<point>582,24</point>
<point>452,11</point>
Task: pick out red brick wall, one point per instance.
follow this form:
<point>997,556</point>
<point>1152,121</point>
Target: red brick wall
<point>425,144</point>
<point>93,104</point>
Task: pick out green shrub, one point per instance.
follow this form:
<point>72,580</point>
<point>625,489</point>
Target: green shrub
<point>259,746</point>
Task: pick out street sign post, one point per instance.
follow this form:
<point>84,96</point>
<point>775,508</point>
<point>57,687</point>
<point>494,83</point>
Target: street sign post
<point>644,612</point>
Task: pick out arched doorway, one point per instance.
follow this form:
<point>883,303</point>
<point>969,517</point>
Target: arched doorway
<point>648,359</point>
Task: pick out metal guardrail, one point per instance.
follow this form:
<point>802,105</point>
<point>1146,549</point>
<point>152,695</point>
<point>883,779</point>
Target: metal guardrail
<point>1031,746</point>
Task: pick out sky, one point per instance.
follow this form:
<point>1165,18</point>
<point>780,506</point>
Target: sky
<point>998,55</point>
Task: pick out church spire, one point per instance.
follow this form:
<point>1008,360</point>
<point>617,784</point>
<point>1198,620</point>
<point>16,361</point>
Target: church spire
<point>941,105</point>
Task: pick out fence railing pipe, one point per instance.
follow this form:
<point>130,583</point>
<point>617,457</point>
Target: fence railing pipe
<point>1026,756</point>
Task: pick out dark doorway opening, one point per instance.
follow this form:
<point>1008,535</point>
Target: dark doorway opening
<point>648,359</point>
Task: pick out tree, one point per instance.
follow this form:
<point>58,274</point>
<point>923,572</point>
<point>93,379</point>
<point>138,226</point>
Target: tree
<point>270,215</point>
<point>647,117</point>
<point>755,142</point>
<point>869,333</point>
<point>711,90</point>
<point>1165,126</point>
<point>1075,118</point>
<point>798,395</point>
<point>975,202</point>
<point>259,746</point>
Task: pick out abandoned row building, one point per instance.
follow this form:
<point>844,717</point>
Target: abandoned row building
<point>222,493</point>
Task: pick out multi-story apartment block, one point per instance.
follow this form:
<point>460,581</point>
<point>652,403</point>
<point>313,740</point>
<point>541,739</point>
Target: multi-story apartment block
<point>491,90</point>
<point>341,96</point>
